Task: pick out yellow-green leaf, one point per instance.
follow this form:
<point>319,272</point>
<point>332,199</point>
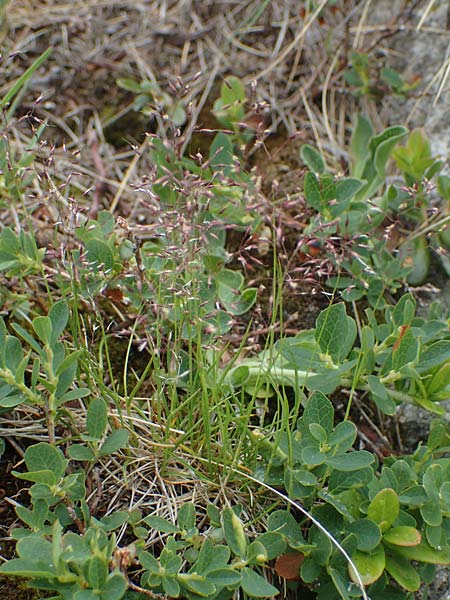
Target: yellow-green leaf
<point>403,536</point>
<point>369,566</point>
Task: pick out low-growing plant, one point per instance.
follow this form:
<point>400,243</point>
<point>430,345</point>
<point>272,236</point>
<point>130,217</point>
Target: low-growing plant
<point>16,172</point>
<point>44,374</point>
<point>402,358</point>
<point>425,216</point>
<point>367,78</point>
<point>89,564</point>
<point>217,563</point>
<point>382,518</point>
<point>151,100</point>
<point>180,272</point>
<point>179,278</point>
<point>354,224</point>
<point>19,254</point>
<point>230,110</point>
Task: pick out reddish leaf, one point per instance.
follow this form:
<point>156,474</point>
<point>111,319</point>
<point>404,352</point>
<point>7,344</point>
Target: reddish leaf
<point>115,295</point>
<point>288,565</point>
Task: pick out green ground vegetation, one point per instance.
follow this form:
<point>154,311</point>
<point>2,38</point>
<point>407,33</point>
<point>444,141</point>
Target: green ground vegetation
<point>127,369</point>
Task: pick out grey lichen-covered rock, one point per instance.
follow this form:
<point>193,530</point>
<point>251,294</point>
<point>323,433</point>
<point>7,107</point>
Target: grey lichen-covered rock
<point>420,49</point>
<point>440,588</point>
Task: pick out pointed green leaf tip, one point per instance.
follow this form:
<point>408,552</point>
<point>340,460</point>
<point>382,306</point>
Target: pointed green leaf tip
<point>312,159</point>
<point>256,586</point>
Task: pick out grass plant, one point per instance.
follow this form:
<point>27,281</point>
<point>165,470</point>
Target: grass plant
<point>181,433</point>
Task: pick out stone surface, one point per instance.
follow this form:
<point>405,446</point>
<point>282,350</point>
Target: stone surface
<point>425,53</point>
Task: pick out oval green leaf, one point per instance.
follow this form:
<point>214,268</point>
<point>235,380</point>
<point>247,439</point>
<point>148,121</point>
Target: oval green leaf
<point>384,508</point>
<point>369,566</point>
<point>402,536</point>
<point>312,159</point>
<point>368,534</point>
<point>403,573</point>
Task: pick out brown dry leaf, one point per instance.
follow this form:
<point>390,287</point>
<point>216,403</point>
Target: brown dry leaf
<point>288,565</point>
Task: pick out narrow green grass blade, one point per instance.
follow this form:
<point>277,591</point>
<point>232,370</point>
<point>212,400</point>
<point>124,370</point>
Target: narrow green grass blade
<point>23,80</point>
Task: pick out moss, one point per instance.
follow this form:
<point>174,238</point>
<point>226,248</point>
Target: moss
<point>13,589</point>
